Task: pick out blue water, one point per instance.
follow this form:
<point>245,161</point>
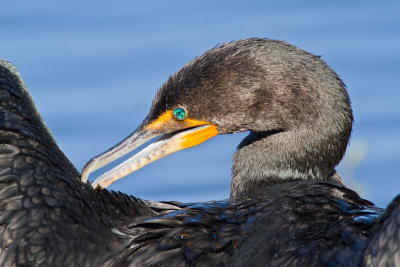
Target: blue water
<point>93,68</point>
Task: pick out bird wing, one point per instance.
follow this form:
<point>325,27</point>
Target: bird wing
<point>292,224</point>
<point>384,244</point>
<point>47,215</point>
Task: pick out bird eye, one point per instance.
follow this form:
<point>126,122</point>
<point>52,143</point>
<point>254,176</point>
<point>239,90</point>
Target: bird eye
<point>179,114</point>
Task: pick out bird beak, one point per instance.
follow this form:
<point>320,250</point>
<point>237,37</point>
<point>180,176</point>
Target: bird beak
<point>175,136</point>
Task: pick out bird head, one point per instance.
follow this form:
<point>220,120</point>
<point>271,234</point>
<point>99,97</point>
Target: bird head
<point>257,85</point>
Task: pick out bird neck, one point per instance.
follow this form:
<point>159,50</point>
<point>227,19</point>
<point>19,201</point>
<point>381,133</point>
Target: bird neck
<point>266,158</point>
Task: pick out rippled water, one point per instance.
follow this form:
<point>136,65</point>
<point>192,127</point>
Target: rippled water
<point>93,68</point>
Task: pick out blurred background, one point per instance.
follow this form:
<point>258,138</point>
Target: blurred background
<point>93,68</point>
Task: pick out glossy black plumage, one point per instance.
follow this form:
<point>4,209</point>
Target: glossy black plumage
<point>48,217</point>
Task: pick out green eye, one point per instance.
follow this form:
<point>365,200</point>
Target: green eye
<point>179,114</point>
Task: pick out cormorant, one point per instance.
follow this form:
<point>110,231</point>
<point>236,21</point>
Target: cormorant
<point>288,206</point>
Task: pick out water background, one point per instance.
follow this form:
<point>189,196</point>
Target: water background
<point>93,68</point>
